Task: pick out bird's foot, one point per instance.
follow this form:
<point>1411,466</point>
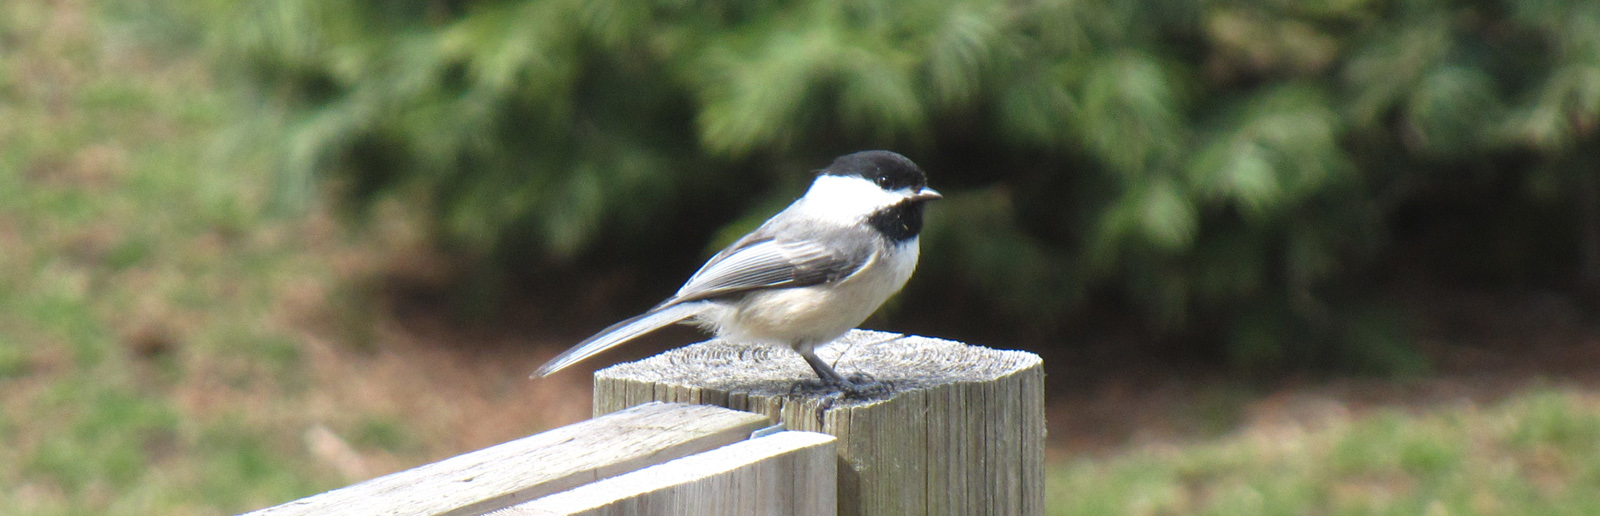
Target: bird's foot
<point>864,386</point>
<point>858,386</point>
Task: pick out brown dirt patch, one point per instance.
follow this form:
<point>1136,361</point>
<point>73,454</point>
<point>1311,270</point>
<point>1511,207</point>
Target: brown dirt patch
<point>467,387</point>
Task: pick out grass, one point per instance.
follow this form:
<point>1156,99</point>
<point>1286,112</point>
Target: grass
<point>156,356</point>
<point>138,314</point>
<point>171,343</point>
<point>1537,453</point>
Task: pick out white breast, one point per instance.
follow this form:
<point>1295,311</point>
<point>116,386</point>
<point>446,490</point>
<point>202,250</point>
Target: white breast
<point>810,316</point>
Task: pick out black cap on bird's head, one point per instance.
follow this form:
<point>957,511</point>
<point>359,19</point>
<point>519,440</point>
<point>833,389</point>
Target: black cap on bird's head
<point>902,191</point>
<point>888,170</point>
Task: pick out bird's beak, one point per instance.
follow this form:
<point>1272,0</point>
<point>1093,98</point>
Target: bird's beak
<point>925,194</point>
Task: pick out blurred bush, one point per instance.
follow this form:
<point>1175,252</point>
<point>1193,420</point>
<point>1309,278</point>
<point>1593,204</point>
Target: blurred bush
<point>1244,170</point>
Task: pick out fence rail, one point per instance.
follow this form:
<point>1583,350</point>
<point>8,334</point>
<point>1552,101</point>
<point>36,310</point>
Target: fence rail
<point>959,430</point>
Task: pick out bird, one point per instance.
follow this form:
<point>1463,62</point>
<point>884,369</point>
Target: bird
<point>807,275</point>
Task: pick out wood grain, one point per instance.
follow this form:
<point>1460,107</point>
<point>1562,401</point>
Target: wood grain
<point>961,433</point>
<point>537,465</point>
<point>784,474</point>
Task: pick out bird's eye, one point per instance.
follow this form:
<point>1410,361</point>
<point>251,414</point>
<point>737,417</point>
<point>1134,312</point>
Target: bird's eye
<point>883,181</point>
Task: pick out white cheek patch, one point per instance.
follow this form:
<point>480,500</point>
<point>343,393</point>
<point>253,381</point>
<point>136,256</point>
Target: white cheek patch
<point>846,199</point>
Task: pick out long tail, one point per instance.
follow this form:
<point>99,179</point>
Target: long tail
<point>619,333</point>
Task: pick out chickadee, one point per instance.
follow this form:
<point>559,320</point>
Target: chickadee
<point>808,274</point>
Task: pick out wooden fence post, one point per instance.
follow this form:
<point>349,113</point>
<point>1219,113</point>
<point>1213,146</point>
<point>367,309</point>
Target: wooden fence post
<point>962,432</point>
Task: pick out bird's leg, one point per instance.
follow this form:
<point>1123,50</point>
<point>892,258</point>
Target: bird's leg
<point>865,387</point>
<point>829,377</point>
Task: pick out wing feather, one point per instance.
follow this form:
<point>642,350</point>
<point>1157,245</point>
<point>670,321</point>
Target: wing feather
<point>767,263</point>
<point>617,334</point>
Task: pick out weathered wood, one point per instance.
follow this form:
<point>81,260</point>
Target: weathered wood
<point>961,433</point>
<point>537,465</point>
<point>783,474</point>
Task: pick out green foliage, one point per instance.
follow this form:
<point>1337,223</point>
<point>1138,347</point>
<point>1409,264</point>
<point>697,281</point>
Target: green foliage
<point>1243,164</point>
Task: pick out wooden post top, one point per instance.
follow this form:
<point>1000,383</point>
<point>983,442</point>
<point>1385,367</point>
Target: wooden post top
<point>907,362</point>
<point>961,432</point>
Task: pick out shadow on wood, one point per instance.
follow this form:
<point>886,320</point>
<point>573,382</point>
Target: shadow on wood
<point>783,474</point>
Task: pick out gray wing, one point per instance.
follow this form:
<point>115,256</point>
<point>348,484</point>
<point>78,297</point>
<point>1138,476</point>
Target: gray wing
<point>784,253</point>
<point>763,260</point>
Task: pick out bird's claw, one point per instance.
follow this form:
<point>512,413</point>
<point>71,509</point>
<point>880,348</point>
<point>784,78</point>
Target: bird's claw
<point>858,386</point>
